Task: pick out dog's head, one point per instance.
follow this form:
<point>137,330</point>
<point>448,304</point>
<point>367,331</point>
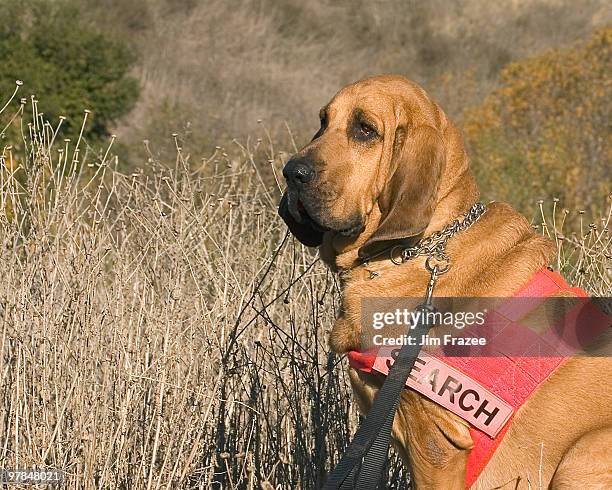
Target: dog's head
<point>380,147</point>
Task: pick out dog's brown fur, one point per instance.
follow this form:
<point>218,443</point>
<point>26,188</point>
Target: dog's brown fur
<point>408,181</point>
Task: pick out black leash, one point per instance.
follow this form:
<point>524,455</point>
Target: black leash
<point>363,462</point>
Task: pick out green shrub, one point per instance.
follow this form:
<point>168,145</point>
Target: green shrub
<point>65,64</point>
<point>545,132</point>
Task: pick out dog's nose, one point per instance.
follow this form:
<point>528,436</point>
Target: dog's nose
<point>296,171</point>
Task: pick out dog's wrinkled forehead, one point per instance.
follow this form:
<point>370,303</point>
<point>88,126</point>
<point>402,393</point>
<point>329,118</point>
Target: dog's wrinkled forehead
<point>359,101</point>
<point>383,100</point>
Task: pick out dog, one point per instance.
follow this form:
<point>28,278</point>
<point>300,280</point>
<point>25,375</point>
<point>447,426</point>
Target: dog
<point>387,167</point>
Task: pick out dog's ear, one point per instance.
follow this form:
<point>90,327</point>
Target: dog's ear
<point>302,231</point>
<point>408,199</point>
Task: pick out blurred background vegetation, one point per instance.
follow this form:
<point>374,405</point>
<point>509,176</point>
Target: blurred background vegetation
<point>527,80</point>
<point>67,64</point>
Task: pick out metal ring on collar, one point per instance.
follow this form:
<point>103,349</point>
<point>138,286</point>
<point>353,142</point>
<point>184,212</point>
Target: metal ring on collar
<point>399,260</point>
<point>442,264</point>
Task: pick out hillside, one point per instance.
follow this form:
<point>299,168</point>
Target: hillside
<point>210,70</point>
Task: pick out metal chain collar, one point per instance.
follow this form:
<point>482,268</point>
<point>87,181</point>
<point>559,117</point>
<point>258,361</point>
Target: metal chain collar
<point>434,246</point>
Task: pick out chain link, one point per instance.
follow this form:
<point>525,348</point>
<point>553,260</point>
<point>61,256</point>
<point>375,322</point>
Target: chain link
<point>434,246</point>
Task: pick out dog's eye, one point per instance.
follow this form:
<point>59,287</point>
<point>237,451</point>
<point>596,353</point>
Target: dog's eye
<point>361,129</point>
<point>365,131</point>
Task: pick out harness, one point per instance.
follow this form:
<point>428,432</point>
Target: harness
<point>492,389</point>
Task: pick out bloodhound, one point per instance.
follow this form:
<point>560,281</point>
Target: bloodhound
<point>387,166</point>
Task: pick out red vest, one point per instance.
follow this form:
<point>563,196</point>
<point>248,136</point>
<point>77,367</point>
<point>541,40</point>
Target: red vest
<point>492,388</point>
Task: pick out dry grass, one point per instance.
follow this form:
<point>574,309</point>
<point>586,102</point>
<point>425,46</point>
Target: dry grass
<point>160,330</point>
<point>210,69</point>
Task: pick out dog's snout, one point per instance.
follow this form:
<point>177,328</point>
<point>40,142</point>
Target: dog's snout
<point>297,171</point>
